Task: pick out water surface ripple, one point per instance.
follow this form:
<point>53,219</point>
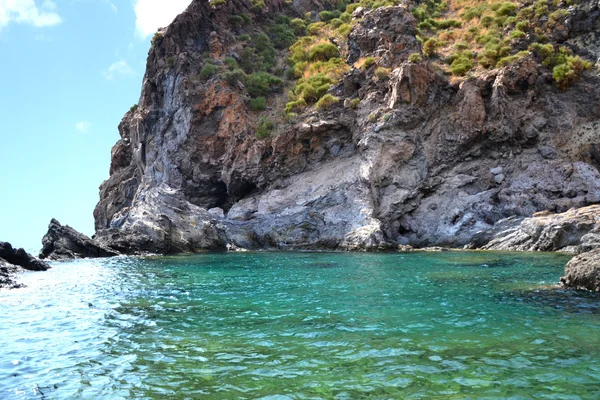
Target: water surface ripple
<point>301,326</point>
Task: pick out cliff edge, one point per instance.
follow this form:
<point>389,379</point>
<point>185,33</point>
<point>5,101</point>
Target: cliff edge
<point>356,126</point>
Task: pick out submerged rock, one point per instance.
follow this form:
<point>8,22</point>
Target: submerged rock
<point>16,260</point>
<point>583,272</point>
<point>64,243</point>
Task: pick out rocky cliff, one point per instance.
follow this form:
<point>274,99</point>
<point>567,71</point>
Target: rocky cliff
<point>402,127</point>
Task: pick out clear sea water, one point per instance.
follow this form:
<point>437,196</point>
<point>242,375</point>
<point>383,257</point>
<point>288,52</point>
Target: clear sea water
<point>301,326</point>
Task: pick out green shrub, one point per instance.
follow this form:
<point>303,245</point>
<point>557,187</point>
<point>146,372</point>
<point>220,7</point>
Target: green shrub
<point>543,51</point>
<point>344,30</point>
<point>354,103</point>
<point>231,63</point>
<point>236,19</point>
<point>296,105</point>
<point>298,25</point>
<point>207,71</point>
<point>448,23</point>
<point>506,9</point>
<point>261,83</point>
<point>511,59</point>
<point>265,126</point>
<point>283,36</point>
<point>258,4</point>
<point>315,28</point>
<point>243,38</point>
<point>323,52</point>
<point>247,19</point>
<point>217,3</point>
<point>461,65</point>
<point>258,104</point>
<point>568,72</point>
<point>517,34</point>
<point>327,101</point>
<point>368,63</point>
<point>415,57</point>
<point>133,108</point>
<point>429,47</point>
<point>522,25</point>
<point>233,77</point>
<point>329,15</point>
<point>382,73</point>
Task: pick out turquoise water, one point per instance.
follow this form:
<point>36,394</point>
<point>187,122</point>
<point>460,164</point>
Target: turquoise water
<point>301,326</point>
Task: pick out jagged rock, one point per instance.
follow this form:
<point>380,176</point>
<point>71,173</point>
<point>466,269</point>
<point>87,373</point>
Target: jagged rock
<point>64,243</point>
<point>576,230</point>
<point>409,166</point>
<point>387,33</point>
<point>21,258</point>
<point>583,272</point>
<point>16,260</point>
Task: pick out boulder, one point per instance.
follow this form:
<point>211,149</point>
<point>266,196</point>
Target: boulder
<point>21,258</point>
<point>16,260</point>
<point>583,272</point>
<point>64,243</point>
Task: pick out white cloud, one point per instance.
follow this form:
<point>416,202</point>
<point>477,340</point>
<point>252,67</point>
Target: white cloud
<point>28,12</point>
<point>112,6</point>
<point>117,68</point>
<point>153,14</point>
<point>83,126</point>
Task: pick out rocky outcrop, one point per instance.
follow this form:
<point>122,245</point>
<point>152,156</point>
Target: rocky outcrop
<point>575,231</point>
<point>16,260</point>
<point>65,243</point>
<point>583,272</point>
<point>423,160</point>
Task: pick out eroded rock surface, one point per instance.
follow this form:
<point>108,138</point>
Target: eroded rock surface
<point>65,243</point>
<point>583,272</point>
<point>575,231</point>
<point>422,160</point>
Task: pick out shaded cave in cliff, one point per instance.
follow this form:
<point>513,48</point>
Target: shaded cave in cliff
<point>217,194</point>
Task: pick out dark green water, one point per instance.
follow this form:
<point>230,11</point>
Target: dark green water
<point>301,326</point>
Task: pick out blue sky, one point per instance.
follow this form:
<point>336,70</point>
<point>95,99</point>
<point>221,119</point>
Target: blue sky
<point>70,70</point>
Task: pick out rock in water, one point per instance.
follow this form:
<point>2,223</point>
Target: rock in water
<point>21,258</point>
<point>574,231</point>
<point>583,272</point>
<point>15,260</point>
<point>63,243</point>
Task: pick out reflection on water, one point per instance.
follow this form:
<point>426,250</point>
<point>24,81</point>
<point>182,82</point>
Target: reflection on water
<point>299,326</point>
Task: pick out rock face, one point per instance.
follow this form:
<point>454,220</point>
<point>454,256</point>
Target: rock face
<point>583,272</point>
<point>423,160</point>
<point>63,243</point>
<point>575,231</point>
<point>15,260</point>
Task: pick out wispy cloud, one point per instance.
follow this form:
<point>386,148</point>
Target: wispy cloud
<point>153,14</point>
<point>28,12</point>
<point>112,6</point>
<point>117,68</point>
<point>83,126</point>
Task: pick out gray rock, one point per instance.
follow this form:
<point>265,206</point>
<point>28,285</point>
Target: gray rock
<point>64,243</point>
<point>496,171</point>
<point>499,178</point>
<point>583,272</point>
<point>548,152</point>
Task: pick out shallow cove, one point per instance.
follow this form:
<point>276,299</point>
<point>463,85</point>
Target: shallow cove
<point>301,325</point>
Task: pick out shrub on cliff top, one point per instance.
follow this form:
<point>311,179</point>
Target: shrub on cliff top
<point>327,101</point>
